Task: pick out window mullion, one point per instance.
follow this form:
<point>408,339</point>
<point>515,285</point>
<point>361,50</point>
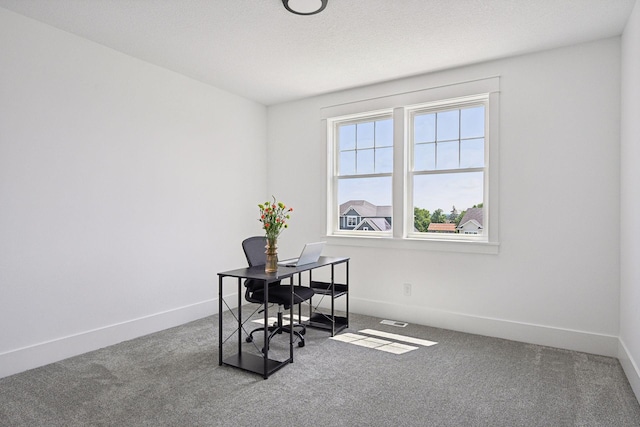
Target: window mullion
<point>355,148</point>
<point>447,171</point>
<point>459,136</point>
<point>435,142</point>
<point>364,175</point>
<point>399,180</point>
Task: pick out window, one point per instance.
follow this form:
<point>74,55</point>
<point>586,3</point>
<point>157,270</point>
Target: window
<point>447,167</point>
<point>363,150</point>
<point>417,170</point>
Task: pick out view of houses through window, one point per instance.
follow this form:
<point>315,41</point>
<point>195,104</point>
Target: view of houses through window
<point>361,215</point>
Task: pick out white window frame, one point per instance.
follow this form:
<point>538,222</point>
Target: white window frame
<point>402,236</point>
<point>334,175</point>
<point>444,105</point>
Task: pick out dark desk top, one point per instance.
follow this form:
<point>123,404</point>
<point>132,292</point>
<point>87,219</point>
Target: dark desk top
<point>258,272</point>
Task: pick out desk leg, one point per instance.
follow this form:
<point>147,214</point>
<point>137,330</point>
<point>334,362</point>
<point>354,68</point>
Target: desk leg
<point>239,316</point>
<point>347,296</point>
<point>291,321</point>
<point>310,299</point>
<point>266,330</point>
<point>219,320</point>
<point>300,304</point>
<point>333,302</point>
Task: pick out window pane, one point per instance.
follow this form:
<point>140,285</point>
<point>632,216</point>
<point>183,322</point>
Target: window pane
<point>448,125</point>
<point>384,133</point>
<point>347,163</point>
<point>447,155</point>
<point>364,161</point>
<point>472,122</point>
<point>384,160</point>
<point>424,128</point>
<point>446,191</point>
<point>347,137</point>
<point>367,201</point>
<point>424,157</point>
<point>364,135</point>
<point>472,153</point>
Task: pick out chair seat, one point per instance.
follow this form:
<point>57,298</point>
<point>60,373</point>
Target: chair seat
<point>281,295</point>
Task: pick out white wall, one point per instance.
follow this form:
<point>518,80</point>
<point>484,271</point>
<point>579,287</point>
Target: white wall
<point>556,278</point>
<point>630,202</point>
<point>118,194</point>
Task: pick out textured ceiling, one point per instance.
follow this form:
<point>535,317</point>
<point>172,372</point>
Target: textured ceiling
<point>256,49</point>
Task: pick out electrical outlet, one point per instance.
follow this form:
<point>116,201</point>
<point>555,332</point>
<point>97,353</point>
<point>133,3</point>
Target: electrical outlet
<point>407,289</point>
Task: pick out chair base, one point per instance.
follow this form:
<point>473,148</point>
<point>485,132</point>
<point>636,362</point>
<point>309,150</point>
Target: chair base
<point>279,328</point>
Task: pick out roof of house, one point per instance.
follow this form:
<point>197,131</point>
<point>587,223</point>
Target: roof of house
<point>365,209</point>
<point>377,224</point>
<point>436,226</point>
<point>472,214</point>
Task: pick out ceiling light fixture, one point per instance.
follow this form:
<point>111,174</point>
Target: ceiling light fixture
<point>305,7</point>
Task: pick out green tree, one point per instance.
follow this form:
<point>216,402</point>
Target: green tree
<point>459,218</point>
<point>453,215</point>
<point>438,216</point>
<point>421,219</point>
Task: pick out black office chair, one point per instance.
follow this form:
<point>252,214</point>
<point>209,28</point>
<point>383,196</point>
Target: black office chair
<point>254,250</point>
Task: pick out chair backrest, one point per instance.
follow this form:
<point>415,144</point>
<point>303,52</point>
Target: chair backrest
<point>254,250</point>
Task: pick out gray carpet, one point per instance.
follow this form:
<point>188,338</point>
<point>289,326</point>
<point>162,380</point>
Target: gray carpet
<point>172,378</point>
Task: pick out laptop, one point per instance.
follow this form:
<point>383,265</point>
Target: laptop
<point>310,254</point>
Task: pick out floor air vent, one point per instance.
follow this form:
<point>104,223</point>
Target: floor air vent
<point>394,323</point>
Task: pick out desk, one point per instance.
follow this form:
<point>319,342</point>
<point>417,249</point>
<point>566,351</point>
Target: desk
<point>263,365</point>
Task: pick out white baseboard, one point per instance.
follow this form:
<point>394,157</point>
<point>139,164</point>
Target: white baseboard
<point>605,345</point>
<point>22,359</point>
<point>630,367</point>
<point>40,354</point>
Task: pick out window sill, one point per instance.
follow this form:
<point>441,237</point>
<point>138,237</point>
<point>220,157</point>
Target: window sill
<point>460,246</point>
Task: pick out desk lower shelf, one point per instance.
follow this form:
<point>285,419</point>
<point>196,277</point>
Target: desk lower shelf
<point>329,322</point>
<point>324,288</point>
<point>326,322</point>
<point>251,362</point>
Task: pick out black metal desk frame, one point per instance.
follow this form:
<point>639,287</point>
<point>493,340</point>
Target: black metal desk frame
<point>329,322</point>
<point>251,362</point>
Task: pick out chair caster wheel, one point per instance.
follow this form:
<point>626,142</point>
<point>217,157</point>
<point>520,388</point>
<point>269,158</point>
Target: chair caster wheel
<point>300,343</point>
<point>249,339</point>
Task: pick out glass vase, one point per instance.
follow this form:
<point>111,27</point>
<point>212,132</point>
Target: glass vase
<point>272,256</point>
